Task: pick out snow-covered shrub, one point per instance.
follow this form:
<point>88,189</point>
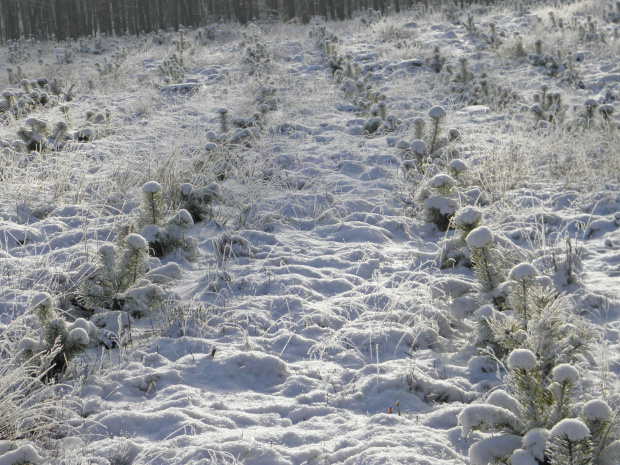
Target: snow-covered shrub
<point>164,237</point>
<point>551,332</point>
<point>198,201</point>
<point>172,70</point>
<point>38,135</point>
<point>256,52</point>
<point>55,336</point>
<point>118,283</point>
<point>30,408</point>
<point>570,443</point>
<point>436,62</point>
<point>531,405</point>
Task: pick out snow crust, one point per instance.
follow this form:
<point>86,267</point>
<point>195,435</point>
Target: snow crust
<point>437,112</point>
<point>442,180</point>
<point>319,297</point>
<point>522,457</point>
<point>535,441</point>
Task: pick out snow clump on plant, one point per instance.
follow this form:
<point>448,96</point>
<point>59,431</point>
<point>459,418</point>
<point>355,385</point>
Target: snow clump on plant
<point>571,429</point>
<point>523,359</point>
<point>479,237</point>
<point>522,271</point>
<point>565,373</point>
<point>596,410</point>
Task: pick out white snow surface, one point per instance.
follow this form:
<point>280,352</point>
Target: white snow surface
<point>318,302</point>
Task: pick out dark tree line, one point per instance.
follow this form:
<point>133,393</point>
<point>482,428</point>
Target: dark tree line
<point>62,19</point>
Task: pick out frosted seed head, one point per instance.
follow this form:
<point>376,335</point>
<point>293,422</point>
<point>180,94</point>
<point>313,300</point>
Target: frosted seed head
<point>597,410</point>
<point>151,187</point>
<point>479,237</point>
<point>571,429</point>
<point>523,359</point>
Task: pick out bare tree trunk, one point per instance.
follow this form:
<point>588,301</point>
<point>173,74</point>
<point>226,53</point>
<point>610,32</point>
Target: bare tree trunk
<point>60,10</point>
<point>25,12</point>
<point>290,7</point>
<point>104,19</point>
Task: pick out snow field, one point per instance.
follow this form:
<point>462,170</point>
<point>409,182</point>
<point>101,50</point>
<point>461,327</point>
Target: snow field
<point>319,302</point>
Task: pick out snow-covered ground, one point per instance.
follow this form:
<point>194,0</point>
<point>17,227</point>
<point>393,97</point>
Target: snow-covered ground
<point>321,318</point>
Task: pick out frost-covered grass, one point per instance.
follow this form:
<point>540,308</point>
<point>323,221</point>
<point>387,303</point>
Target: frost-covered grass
<point>326,283</point>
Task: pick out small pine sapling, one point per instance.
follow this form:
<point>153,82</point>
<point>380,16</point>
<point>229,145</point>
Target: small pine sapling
<point>522,297</point>
<point>153,208</point>
<point>466,220</point>
<point>223,112</point>
<point>440,208</point>
<point>418,128</point>
<point>436,61</point>
<point>437,114</point>
<point>118,276</point>
<point>570,444</point>
<point>487,261</point>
